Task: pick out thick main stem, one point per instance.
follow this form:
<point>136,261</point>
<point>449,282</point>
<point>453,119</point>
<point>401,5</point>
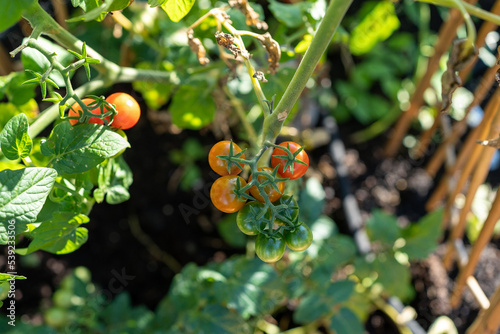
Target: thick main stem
<point>333,16</point>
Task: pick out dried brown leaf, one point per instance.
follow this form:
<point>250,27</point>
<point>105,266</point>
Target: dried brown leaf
<point>260,76</point>
<point>252,17</point>
<point>227,41</point>
<point>273,51</point>
<point>197,48</point>
<point>461,54</point>
<point>490,142</point>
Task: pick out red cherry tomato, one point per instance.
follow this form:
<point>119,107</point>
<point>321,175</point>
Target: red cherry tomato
<point>273,194</point>
<point>128,110</point>
<point>76,109</point>
<point>219,165</point>
<point>223,196</point>
<point>298,168</point>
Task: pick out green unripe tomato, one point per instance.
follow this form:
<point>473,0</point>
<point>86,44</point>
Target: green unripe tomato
<point>270,249</point>
<point>247,218</point>
<point>300,238</point>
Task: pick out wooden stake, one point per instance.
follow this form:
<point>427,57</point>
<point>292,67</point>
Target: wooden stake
<point>446,35</point>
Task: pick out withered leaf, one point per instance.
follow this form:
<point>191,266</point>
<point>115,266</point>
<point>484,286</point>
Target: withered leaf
<point>490,142</point>
<point>252,17</point>
<point>197,48</point>
<point>227,41</point>
<point>461,53</point>
<point>260,76</point>
<point>273,51</point>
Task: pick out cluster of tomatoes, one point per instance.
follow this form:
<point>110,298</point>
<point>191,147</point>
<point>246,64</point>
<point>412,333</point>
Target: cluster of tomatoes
<point>257,217</point>
<point>128,111</point>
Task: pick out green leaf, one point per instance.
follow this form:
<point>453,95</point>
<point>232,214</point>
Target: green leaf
<point>346,322</point>
<point>155,3</point>
<point>60,235</point>
<point>177,9</point>
<point>215,319</point>
<point>14,139</point>
<point>118,5</point>
<point>289,14</point>
<point>192,107</point>
<point>383,227</point>
<point>11,12</point>
<point>5,277</point>
<point>76,149</point>
<point>377,26</point>
<point>422,237</point>
<point>114,180</point>
<point>18,94</point>
<point>98,10</point>
<point>155,94</point>
<point>311,200</point>
<point>22,195</point>
<point>318,303</point>
<point>230,233</point>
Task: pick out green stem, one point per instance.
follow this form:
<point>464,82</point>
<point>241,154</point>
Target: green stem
<point>472,10</point>
<point>471,28</point>
<point>333,16</point>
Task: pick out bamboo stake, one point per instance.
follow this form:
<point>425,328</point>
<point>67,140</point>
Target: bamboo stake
<point>5,61</point>
<point>478,177</point>
<point>446,35</point>
<point>488,321</point>
<point>481,242</point>
<point>426,137</point>
<point>459,128</point>
<point>468,155</point>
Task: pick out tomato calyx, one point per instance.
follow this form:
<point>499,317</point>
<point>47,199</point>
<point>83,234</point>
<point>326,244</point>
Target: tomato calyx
<point>233,159</point>
<point>241,192</point>
<point>106,110</point>
<point>290,158</point>
<point>287,211</point>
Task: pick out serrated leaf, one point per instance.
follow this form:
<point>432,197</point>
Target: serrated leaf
<point>383,227</point>
<point>60,235</point>
<point>318,303</point>
<point>177,9</point>
<point>191,107</point>
<point>346,322</point>
<point>93,13</point>
<point>11,12</point>
<point>22,195</point>
<point>76,149</point>
<point>114,180</point>
<point>14,139</point>
<point>422,237</point>
<point>289,14</point>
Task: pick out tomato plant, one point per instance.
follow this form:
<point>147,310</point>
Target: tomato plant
<point>223,193</point>
<point>128,110</point>
<point>222,166</point>
<point>270,248</point>
<point>292,164</point>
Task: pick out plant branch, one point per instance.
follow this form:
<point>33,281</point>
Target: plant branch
<point>472,10</point>
<point>333,16</point>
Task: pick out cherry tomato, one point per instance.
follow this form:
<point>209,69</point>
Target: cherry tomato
<point>298,239</point>
<point>128,110</point>
<point>273,194</point>
<point>298,168</point>
<point>247,220</point>
<point>219,165</point>
<point>270,249</point>
<point>76,109</point>
<point>223,196</point>
<point>292,212</point>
